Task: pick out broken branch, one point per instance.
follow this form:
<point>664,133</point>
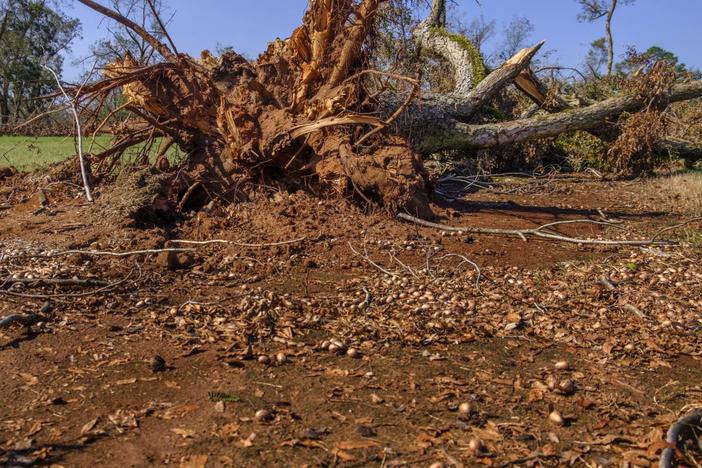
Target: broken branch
<point>537,232</point>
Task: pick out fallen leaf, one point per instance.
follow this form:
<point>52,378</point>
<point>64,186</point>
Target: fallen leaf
<point>171,384</point>
<point>345,456</point>
<point>29,378</point>
<point>178,411</point>
<point>194,461</point>
<point>87,427</point>
<point>184,433</point>
<point>123,418</point>
<point>229,430</point>
<point>126,381</point>
<point>36,427</point>
<point>356,444</point>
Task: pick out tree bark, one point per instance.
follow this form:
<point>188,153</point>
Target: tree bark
<point>610,39</point>
<point>433,114</point>
<point>466,136</point>
<point>690,151</point>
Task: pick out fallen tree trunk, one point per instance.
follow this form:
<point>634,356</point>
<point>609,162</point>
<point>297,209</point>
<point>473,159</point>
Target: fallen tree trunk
<point>690,151</point>
<point>442,122</point>
<point>467,136</point>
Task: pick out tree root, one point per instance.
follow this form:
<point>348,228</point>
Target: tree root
<point>687,426</point>
<point>539,232</point>
<point>24,319</point>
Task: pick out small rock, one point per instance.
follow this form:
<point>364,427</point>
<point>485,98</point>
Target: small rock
<point>556,418</point>
<point>566,387</point>
<point>263,415</point>
<point>475,445</point>
<point>465,408</point>
<point>219,407</point>
<point>175,260</point>
<point>365,431</point>
<point>562,365</point>
<point>281,358</point>
<point>264,359</point>
<point>158,364</point>
<point>353,353</point>
<point>551,382</point>
<point>376,399</point>
<point>312,434</point>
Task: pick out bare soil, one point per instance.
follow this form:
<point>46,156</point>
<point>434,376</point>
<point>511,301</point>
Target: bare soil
<point>429,335</point>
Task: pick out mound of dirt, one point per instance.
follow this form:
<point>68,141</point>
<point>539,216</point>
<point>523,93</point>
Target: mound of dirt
<point>137,196</point>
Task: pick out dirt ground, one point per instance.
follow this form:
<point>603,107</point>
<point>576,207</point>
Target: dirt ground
<point>359,340</point>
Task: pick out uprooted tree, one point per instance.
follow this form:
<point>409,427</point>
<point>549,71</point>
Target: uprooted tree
<point>305,114</point>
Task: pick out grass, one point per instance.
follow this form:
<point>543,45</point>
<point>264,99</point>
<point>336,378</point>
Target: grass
<point>686,190</point>
<point>27,154</point>
<point>682,193</point>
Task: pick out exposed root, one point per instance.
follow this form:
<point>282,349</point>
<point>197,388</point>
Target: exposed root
<point>538,232</point>
<point>686,428</point>
<point>293,113</point>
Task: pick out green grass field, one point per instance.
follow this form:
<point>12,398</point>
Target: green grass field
<point>30,153</point>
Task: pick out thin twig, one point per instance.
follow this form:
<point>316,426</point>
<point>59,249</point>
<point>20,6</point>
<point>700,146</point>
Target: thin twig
<point>79,132</point>
<point>395,115</point>
<point>162,26</point>
<point>54,281</point>
<point>470,262</point>
<point>104,253</point>
<point>83,294</point>
<point>367,258</point>
<point>25,319</point>
<point>676,226</point>
<point>523,233</point>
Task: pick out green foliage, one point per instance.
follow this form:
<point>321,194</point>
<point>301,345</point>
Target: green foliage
<point>596,57</point>
<point>476,59</point>
<point>495,112</point>
<point>222,396</point>
<point>32,33</point>
<point>635,61</point>
<point>693,237</point>
<point>31,153</point>
<point>583,151</point>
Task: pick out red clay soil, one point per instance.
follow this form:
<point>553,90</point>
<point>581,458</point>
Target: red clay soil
<point>308,354</point>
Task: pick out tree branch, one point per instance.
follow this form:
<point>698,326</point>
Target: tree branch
<point>155,43</point>
<point>79,132</point>
<point>537,232</point>
<point>466,136</point>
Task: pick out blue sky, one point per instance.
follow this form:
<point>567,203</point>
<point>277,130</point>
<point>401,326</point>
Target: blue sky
<point>248,25</point>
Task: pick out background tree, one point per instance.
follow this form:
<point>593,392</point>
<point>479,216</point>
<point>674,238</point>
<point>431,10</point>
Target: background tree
<point>597,57</point>
<point>122,40</point>
<point>515,34</point>
<point>32,33</point>
<point>478,31</point>
<point>592,10</point>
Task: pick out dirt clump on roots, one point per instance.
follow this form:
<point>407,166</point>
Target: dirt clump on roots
<point>296,117</point>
